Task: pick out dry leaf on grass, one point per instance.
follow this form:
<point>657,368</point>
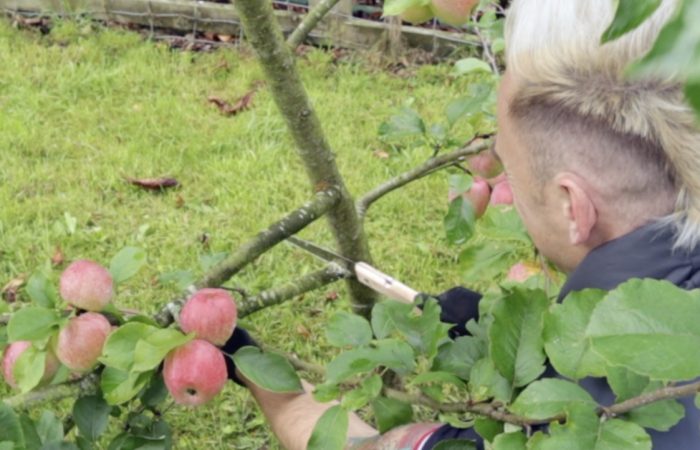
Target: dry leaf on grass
<point>154,184</point>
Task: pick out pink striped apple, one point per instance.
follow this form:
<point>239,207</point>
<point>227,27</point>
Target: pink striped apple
<point>80,342</point>
<point>211,314</point>
<point>502,194</point>
<point>13,352</point>
<point>477,195</point>
<point>195,372</point>
<point>86,285</point>
<point>453,12</point>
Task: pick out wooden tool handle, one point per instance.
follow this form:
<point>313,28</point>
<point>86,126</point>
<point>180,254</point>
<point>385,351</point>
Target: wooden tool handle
<point>383,283</point>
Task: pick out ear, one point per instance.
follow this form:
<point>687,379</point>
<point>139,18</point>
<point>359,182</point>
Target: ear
<point>579,208</point>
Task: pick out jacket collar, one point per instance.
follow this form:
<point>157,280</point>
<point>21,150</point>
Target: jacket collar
<point>646,252</point>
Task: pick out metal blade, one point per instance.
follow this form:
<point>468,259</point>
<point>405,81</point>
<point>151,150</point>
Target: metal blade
<point>320,252</point>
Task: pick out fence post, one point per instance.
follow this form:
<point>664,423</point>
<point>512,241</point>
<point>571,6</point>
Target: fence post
<point>344,7</point>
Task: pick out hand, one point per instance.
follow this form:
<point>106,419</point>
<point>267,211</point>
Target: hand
<point>240,338</point>
<point>459,305</point>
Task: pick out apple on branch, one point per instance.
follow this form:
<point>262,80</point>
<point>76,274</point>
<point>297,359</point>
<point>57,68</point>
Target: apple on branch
<point>14,351</point>
<point>478,195</point>
<point>80,342</point>
<point>211,314</point>
<point>195,372</point>
<point>86,285</point>
<point>453,12</point>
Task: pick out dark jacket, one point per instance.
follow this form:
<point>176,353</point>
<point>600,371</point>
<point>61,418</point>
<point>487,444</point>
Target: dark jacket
<point>644,253</point>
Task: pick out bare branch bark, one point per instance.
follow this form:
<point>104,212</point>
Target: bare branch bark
<point>86,385</point>
<point>248,252</point>
<point>312,19</point>
<point>433,164</point>
<point>279,294</point>
<point>289,94</point>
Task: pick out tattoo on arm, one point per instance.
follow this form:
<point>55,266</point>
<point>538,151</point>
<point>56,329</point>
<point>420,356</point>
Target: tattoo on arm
<point>402,438</point>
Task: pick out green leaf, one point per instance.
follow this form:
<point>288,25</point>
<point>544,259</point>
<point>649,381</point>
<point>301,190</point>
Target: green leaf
<point>460,183</point>
<point>127,263</point>
<point>151,350</point>
<point>504,224</point>
<point>209,260</point>
<point>649,327</point>
<point>49,427</point>
<point>267,370</point>
<point>41,291</point>
<point>91,415</point>
<point>330,432</point>
<point>510,441</point>
<point>550,397</point>
<point>629,15</point>
<point>29,369</point>
<point>32,323</point>
<point>485,382</point>
<point>469,65</point>
<point>390,413</point>
<point>516,335</point>
<point>459,221</point>
<point>396,7</point>
<point>31,437</point>
<point>118,351</point>
<point>488,428</point>
<point>119,386</point>
<point>348,329</point>
<point>364,393</point>
<point>406,123</point>
<point>391,353</point>
<point>155,393</point>
<point>423,331</point>
<point>661,415</point>
<point>565,340</point>
<point>487,259</point>
<point>477,101</point>
<point>617,434</point>
<point>182,279</point>
<point>458,356</point>
<point>437,377</point>
<point>455,444</point>
<point>10,427</point>
<point>692,94</point>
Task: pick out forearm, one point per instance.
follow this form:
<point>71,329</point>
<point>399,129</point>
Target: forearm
<point>292,417</point>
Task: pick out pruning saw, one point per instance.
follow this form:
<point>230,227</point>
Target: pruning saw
<point>369,276</point>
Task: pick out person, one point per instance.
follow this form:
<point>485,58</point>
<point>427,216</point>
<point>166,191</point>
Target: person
<point>604,173</point>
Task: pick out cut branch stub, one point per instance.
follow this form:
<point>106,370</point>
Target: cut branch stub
<point>289,94</point>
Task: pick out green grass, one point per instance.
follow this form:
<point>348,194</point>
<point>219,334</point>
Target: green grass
<point>82,108</point>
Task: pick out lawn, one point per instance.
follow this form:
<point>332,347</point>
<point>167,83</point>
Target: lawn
<point>83,108</point>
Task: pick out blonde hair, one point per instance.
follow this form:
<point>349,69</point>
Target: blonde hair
<point>568,83</point>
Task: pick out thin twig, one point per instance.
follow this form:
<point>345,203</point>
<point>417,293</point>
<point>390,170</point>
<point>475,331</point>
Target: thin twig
<point>312,19</point>
<point>432,165</point>
<point>486,46</point>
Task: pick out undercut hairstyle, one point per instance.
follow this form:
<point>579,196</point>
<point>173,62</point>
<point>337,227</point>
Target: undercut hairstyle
<point>635,139</point>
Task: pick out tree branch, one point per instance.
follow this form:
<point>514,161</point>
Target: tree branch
<point>248,252</point>
<point>86,385</point>
<point>433,164</point>
<point>276,58</point>
<point>665,393</point>
<point>313,17</point>
<point>279,294</point>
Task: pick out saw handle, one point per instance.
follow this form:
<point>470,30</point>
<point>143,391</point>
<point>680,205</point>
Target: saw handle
<point>383,283</point>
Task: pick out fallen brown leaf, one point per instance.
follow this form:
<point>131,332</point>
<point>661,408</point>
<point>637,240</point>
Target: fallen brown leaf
<point>303,331</point>
<point>9,291</point>
<point>57,258</point>
<point>331,296</point>
<point>381,154</point>
<point>225,37</point>
<point>240,105</point>
<point>154,184</point>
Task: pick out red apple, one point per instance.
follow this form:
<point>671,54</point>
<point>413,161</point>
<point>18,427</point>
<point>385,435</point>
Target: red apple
<point>453,12</point>
<point>502,194</point>
<point>211,314</point>
<point>80,342</point>
<point>87,285</point>
<point>477,195</point>
<point>485,164</point>
<point>195,372</point>
<point>417,14</point>
<point>522,271</point>
<point>14,350</point>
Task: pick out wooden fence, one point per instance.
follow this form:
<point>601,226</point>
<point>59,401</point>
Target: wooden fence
<point>339,28</point>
